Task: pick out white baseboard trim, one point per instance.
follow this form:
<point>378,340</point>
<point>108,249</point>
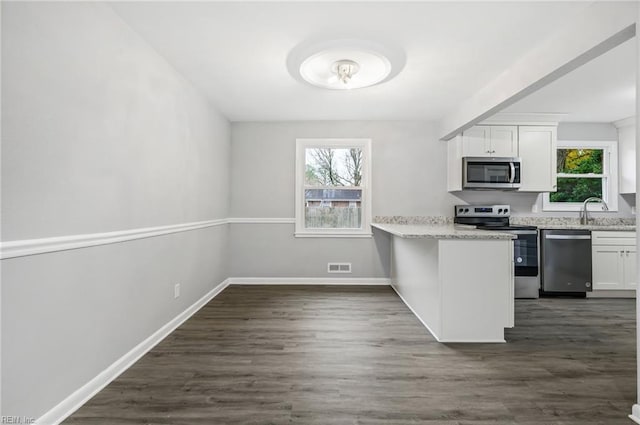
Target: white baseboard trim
<point>443,340</point>
<point>635,413</point>
<point>23,248</point>
<point>416,314</point>
<point>308,281</point>
<point>609,293</point>
<point>74,401</point>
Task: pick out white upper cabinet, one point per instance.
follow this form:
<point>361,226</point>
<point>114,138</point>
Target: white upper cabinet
<point>476,141</point>
<point>627,155</point>
<point>504,140</point>
<point>537,147</point>
<point>490,140</point>
<point>454,164</point>
<point>534,144</point>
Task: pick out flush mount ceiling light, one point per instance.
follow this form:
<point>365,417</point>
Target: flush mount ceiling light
<point>344,64</point>
<point>344,70</point>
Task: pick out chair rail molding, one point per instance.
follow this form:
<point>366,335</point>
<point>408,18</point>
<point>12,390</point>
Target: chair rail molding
<point>262,220</point>
<point>26,247</point>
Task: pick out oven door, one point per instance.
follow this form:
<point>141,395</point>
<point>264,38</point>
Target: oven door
<point>525,252</point>
<point>491,173</point>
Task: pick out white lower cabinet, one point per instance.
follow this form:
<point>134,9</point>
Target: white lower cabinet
<point>614,260</point>
<point>629,268</point>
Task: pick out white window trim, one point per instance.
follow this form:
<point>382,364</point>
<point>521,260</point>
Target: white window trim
<point>301,146</point>
<point>609,171</point>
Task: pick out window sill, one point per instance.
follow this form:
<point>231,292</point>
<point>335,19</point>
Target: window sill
<point>332,235</point>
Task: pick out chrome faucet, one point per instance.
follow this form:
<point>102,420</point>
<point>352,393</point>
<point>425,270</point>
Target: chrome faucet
<point>584,213</point>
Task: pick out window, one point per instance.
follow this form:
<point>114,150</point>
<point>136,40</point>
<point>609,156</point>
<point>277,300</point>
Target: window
<point>584,169</point>
<point>333,187</point>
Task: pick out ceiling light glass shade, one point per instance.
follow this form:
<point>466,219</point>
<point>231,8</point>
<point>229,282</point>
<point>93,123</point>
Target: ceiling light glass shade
<point>344,64</point>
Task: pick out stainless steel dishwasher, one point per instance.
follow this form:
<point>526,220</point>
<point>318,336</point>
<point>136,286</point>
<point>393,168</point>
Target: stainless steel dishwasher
<point>566,261</point>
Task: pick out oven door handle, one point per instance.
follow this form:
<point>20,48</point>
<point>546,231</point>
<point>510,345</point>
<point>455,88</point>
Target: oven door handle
<point>568,237</point>
<point>512,167</point>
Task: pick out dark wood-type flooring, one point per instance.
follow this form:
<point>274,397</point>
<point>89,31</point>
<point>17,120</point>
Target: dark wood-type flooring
<point>324,355</point>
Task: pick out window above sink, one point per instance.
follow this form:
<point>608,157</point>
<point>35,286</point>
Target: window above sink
<point>584,169</point>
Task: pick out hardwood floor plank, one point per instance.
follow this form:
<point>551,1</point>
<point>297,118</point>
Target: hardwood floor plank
<point>355,355</point>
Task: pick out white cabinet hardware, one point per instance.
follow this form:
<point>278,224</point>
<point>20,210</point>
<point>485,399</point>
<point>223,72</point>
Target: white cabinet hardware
<point>490,140</point>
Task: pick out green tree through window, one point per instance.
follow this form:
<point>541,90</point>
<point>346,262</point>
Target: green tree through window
<point>580,175</point>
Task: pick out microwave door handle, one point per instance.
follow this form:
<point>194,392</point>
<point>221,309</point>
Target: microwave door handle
<point>513,172</point>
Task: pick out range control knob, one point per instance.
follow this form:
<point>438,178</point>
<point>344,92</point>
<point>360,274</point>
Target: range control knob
<point>500,210</point>
<point>460,210</point>
<point>506,210</point>
<point>466,210</point>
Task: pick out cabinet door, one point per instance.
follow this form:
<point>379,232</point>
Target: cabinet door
<point>630,268</point>
<point>537,147</point>
<point>454,164</point>
<point>607,267</point>
<point>476,141</point>
<point>627,158</point>
<point>504,140</point>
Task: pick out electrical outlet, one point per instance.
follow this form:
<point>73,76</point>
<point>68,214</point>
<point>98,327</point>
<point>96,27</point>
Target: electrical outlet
<point>176,290</point>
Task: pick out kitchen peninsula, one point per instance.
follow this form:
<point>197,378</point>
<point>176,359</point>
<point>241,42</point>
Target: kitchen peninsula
<point>456,279</point>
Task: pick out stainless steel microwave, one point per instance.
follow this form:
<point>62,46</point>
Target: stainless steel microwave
<point>490,173</point>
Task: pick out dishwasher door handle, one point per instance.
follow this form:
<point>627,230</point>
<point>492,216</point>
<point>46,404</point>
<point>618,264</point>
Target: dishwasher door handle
<point>568,237</point>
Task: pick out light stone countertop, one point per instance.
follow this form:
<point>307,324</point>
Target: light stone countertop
<point>598,223</point>
<point>442,227</point>
<point>440,231</point>
<point>594,227</point>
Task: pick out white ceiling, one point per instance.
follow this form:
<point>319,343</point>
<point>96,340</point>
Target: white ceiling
<point>236,52</point>
<point>602,90</point>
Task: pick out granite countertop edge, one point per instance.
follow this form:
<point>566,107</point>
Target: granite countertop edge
<point>593,227</point>
<point>440,231</point>
<point>445,224</point>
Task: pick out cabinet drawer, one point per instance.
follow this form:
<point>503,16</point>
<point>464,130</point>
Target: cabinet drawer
<point>613,238</point>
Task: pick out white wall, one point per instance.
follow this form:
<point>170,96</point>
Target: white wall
<point>409,178</point>
<point>636,407</point>
<point>587,131</point>
<point>409,165</point>
<point>99,134</point>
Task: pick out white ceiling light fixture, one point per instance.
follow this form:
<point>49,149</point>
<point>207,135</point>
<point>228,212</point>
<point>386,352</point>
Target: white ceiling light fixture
<point>344,64</point>
<point>344,70</point>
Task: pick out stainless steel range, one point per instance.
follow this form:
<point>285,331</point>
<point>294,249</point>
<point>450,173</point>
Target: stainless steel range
<point>525,252</point>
